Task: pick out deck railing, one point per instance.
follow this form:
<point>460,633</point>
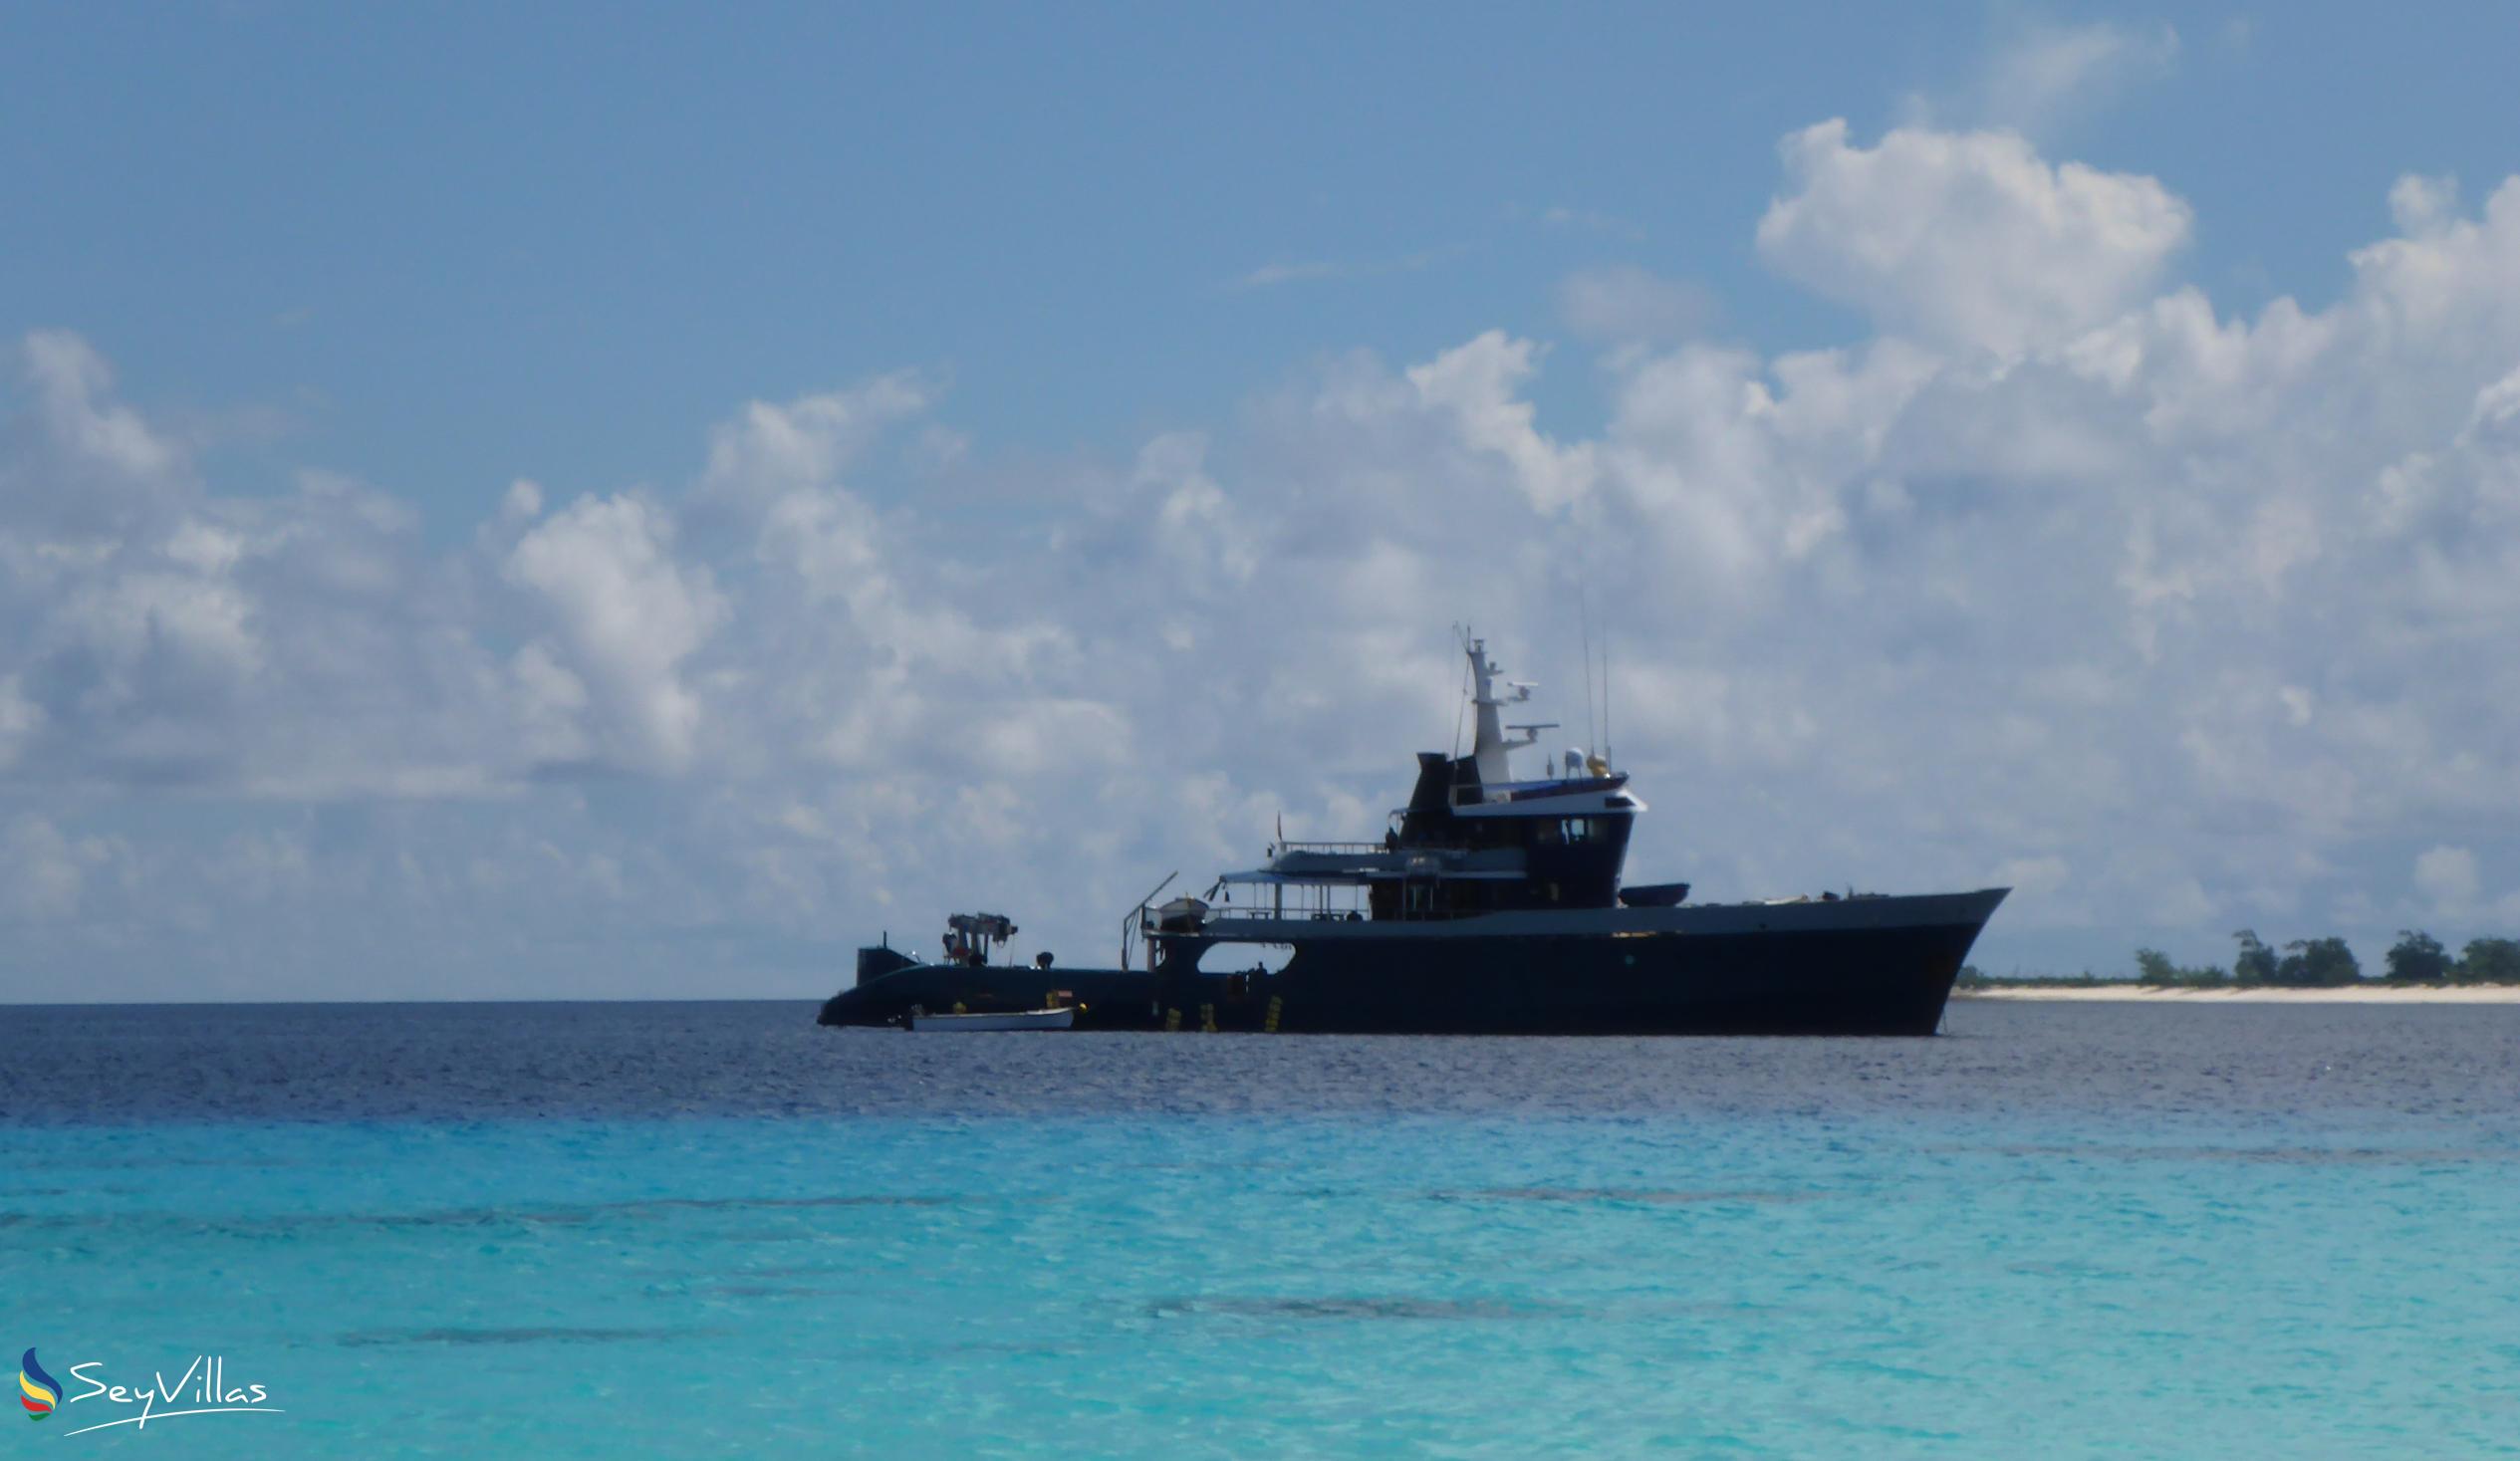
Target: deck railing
<point>1322,900</point>
<point>1237,911</point>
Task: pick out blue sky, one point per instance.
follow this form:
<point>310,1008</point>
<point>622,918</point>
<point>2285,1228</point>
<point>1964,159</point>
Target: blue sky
<point>444,247</point>
<point>1416,313</point>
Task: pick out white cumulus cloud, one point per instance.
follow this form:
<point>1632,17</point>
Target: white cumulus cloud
<point>626,616</point>
<point>1968,239</point>
<point>2447,877</point>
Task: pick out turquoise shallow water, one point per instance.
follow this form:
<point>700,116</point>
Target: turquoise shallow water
<point>2035,1237</point>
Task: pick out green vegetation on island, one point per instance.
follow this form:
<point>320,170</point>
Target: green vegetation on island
<point>2305,963</point>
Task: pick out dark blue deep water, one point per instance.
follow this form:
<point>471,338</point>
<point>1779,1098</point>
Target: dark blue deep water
<point>613,1230</point>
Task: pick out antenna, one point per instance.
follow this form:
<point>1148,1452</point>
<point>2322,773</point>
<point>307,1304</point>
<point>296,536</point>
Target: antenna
<point>1606,694</point>
<point>1584,614</point>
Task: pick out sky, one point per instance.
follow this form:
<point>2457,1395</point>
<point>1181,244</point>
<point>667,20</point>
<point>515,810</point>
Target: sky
<point>636,501</point>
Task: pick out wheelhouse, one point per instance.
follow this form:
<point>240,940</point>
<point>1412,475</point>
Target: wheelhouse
<point>1472,839</point>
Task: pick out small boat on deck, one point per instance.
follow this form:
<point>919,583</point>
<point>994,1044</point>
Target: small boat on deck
<point>1015,1020</point>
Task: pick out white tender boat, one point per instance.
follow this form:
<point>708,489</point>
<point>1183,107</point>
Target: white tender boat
<point>1021,1020</point>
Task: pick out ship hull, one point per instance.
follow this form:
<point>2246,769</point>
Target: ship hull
<point>1874,966</point>
<point>1853,983</point>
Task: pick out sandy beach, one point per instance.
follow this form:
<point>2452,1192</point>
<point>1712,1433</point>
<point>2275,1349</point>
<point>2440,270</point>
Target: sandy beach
<point>2360,994</point>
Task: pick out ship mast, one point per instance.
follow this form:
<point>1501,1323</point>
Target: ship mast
<point>1490,748</point>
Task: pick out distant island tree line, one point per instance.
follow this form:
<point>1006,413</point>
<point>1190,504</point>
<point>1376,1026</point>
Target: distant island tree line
<point>2311,963</point>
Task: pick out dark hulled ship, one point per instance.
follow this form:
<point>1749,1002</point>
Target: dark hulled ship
<point>1490,906</point>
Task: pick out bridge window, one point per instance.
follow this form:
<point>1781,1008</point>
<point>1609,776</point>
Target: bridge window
<point>1577,829</point>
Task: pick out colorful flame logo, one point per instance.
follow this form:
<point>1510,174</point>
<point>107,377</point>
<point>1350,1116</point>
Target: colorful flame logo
<point>37,1391</point>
